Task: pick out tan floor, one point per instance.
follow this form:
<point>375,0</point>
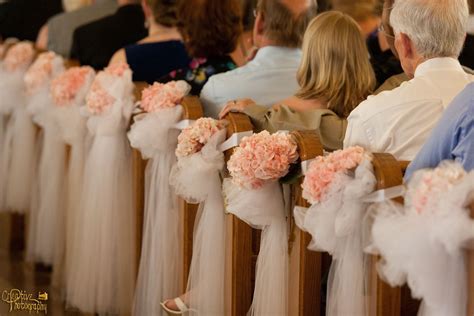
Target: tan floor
<point>16,274</point>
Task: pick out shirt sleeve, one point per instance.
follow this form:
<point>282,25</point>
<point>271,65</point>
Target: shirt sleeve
<point>329,126</point>
<point>463,152</point>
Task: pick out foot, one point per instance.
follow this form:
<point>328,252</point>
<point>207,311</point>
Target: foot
<point>175,306</point>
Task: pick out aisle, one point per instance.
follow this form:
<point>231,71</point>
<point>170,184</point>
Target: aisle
<point>16,274</point>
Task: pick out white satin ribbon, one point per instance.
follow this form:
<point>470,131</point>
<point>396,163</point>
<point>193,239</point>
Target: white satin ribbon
<point>305,165</point>
<point>183,124</point>
<point>233,141</point>
<point>299,212</point>
<point>385,194</point>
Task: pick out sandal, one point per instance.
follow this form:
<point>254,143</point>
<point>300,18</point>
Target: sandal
<point>182,308</point>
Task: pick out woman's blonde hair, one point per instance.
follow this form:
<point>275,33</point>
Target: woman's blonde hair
<point>335,66</point>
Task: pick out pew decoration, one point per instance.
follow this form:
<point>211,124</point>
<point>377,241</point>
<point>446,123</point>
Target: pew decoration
<point>335,185</point>
<point>16,62</point>
<point>255,196</point>
<point>22,132</point>
<point>155,134</point>
<point>429,254</point>
<point>103,276</point>
<point>48,188</point>
<point>68,92</point>
<point>196,178</point>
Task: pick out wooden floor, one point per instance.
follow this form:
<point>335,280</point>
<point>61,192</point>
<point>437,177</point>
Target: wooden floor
<point>16,274</point>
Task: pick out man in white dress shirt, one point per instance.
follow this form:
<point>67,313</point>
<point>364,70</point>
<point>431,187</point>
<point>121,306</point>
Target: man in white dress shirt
<point>271,75</point>
<point>429,35</point>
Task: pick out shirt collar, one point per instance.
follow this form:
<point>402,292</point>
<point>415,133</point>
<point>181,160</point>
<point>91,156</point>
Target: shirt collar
<point>439,63</point>
<point>276,51</point>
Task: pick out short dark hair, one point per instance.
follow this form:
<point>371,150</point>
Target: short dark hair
<point>284,27</point>
<point>210,27</point>
<point>164,11</point>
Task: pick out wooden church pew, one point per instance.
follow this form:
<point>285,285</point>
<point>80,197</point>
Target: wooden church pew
<point>192,109</point>
<point>384,300</point>
<point>238,269</point>
<point>305,266</point>
<point>242,244</point>
<point>470,273</point>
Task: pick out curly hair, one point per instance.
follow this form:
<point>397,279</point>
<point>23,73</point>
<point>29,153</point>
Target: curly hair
<point>210,27</point>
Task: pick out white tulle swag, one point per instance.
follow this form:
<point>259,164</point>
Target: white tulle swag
<point>205,288</point>
<point>255,196</point>
<point>429,254</point>
<point>12,97</point>
<point>263,208</point>
<point>160,268</point>
<point>103,274</point>
<point>68,92</point>
<point>335,220</point>
<point>23,131</point>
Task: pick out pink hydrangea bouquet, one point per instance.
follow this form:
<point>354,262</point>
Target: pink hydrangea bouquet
<point>195,136</point>
<point>98,99</point>
<point>65,87</point>
<point>434,183</point>
<point>39,72</point>
<point>19,55</point>
<point>323,171</point>
<point>262,157</point>
<point>161,96</point>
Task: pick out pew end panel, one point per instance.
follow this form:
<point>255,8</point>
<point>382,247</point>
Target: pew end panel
<point>192,110</point>
<point>384,300</point>
<point>305,265</point>
<point>238,267</point>
<point>470,273</point>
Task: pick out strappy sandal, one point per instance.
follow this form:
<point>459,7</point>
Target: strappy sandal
<point>182,308</point>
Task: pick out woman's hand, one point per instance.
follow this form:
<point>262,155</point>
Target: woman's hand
<point>236,106</point>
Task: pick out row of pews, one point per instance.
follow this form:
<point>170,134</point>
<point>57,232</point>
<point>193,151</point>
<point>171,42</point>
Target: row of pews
<point>307,268</point>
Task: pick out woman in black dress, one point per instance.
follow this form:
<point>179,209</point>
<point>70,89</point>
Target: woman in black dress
<point>210,30</point>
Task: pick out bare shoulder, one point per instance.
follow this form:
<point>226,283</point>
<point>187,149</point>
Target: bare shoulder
<point>119,56</point>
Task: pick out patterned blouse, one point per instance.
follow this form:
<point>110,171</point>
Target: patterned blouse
<point>199,70</point>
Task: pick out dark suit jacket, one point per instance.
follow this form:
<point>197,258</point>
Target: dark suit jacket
<point>95,43</point>
<point>23,18</point>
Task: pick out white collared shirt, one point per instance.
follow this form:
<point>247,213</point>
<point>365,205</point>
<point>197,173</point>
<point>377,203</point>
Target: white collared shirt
<point>270,77</point>
<point>399,121</point>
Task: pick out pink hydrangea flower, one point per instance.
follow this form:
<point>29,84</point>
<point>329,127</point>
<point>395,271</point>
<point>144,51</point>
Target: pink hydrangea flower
<point>65,87</point>
<point>195,136</point>
<point>20,54</point>
<point>39,72</point>
<point>262,157</point>
<point>433,184</point>
<point>98,99</point>
<point>323,170</point>
<point>160,96</point>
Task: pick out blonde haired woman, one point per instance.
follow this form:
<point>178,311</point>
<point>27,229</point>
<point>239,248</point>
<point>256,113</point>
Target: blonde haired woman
<point>334,76</point>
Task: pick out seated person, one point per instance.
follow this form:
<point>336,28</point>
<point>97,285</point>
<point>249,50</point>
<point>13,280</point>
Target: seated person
<point>210,30</point>
<point>94,44</point>
<point>162,50</point>
<point>56,34</point>
<point>244,51</point>
<point>277,33</point>
<point>452,138</point>
<point>399,121</point>
<point>334,76</point>
<point>386,30</point>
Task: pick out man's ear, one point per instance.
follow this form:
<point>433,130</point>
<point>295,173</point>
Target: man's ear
<point>407,47</point>
<point>146,9</point>
<point>259,25</point>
